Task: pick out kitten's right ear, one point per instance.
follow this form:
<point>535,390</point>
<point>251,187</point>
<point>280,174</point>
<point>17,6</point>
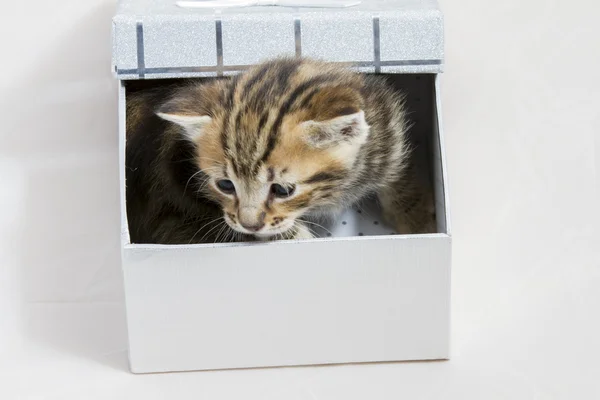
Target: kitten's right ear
<point>349,129</point>
<point>193,125</point>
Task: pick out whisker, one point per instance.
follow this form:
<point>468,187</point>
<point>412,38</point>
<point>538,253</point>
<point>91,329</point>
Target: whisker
<point>237,236</point>
<point>220,224</point>
<point>188,181</point>
<point>202,227</point>
<point>229,236</point>
<point>224,231</point>
<point>312,231</point>
<point>317,225</point>
<point>195,221</point>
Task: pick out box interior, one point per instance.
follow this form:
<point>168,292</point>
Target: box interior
<point>364,219</point>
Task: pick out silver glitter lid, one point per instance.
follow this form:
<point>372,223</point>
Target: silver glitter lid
<point>159,39</point>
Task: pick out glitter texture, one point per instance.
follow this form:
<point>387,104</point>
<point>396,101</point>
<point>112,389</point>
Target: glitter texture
<point>180,42</point>
<point>329,37</point>
<point>248,39</point>
<point>124,44</point>
<point>412,35</point>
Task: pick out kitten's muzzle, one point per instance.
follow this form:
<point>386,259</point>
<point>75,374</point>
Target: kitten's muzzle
<point>251,219</point>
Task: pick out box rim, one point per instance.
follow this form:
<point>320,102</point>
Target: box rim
<point>155,246</point>
<point>125,236</point>
<point>442,150</point>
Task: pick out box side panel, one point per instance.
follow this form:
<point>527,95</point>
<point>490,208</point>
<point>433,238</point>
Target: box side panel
<point>439,166</point>
<point>441,186</point>
<point>122,145</point>
<point>287,303</point>
<point>124,44</point>
<point>122,191</point>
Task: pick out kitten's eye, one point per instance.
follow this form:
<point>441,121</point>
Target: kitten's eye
<point>226,186</point>
<point>282,191</point>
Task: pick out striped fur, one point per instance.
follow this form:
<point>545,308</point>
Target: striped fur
<point>165,203</point>
<point>334,135</point>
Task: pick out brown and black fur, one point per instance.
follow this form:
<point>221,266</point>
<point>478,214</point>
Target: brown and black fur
<point>335,135</point>
<point>164,204</point>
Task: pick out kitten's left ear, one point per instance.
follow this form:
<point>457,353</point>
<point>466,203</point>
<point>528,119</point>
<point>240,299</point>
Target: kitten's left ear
<point>192,124</point>
<point>184,112</point>
<point>351,128</point>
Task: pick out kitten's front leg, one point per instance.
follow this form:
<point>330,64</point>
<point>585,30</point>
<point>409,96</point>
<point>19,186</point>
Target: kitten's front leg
<point>298,231</point>
<point>301,231</point>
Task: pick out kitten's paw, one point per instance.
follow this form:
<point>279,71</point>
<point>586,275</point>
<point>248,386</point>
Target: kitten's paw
<point>302,232</point>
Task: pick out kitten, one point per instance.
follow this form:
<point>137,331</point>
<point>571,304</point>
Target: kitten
<point>164,201</point>
<point>291,138</point>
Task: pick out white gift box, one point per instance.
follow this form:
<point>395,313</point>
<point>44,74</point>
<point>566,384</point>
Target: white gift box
<point>359,293</point>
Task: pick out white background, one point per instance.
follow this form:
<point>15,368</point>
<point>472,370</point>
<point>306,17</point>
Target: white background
<point>521,100</point>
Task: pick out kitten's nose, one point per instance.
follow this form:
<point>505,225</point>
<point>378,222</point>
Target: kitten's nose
<point>253,228</point>
<point>251,219</point>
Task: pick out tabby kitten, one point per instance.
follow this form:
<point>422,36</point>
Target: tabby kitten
<point>294,138</point>
<point>165,203</point>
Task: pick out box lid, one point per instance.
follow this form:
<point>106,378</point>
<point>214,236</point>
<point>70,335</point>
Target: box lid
<point>165,39</point>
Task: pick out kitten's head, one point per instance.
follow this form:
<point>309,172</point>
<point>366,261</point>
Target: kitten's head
<point>270,162</point>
